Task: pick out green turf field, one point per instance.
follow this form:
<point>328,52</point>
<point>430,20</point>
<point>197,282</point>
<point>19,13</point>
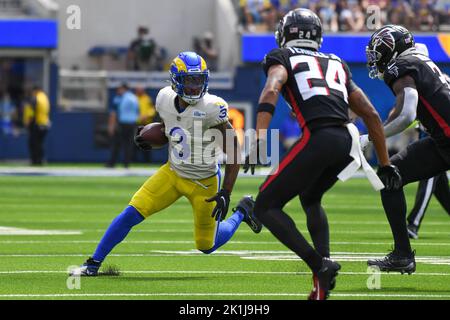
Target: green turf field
<point>159,260</point>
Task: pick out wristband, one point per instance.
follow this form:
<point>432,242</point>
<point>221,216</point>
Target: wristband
<point>266,107</point>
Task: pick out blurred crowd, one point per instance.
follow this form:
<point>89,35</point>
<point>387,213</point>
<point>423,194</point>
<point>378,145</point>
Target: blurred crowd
<point>349,15</point>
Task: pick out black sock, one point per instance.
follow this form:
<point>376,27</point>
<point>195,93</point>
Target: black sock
<point>318,228</point>
<point>394,204</point>
<point>442,191</point>
<point>284,229</point>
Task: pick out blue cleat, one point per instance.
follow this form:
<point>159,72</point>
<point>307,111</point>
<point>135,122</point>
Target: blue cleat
<point>246,206</point>
<point>88,269</point>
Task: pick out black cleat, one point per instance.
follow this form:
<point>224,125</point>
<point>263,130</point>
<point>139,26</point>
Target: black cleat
<point>245,206</point>
<point>413,231</point>
<point>325,280</point>
<point>396,263</point>
<point>88,269</point>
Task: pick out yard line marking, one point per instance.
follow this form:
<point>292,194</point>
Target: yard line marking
<point>264,231</point>
<point>252,255</point>
<point>190,222</point>
<point>192,242</point>
<point>237,272</point>
<point>11,231</point>
<point>216,294</point>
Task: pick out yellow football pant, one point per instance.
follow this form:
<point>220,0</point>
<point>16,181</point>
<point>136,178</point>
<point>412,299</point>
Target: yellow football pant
<point>165,187</point>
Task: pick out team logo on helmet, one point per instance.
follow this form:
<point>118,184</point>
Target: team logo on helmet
<point>384,37</point>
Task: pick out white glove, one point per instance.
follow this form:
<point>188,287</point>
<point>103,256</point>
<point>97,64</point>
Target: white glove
<point>364,141</point>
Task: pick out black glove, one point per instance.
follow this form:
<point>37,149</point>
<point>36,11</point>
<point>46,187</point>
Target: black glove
<point>255,151</point>
<point>390,176</point>
<point>140,142</point>
<point>222,199</point>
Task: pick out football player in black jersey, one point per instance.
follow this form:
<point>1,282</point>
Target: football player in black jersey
<point>421,92</point>
<point>437,185</point>
<point>319,89</point>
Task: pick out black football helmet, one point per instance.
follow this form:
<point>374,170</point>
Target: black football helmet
<point>299,28</point>
<point>385,45</point>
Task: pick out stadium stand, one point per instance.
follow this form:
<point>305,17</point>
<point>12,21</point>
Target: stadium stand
<point>348,15</point>
<point>81,79</point>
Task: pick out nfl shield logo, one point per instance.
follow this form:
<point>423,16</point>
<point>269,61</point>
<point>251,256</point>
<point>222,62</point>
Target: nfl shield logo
<point>178,118</point>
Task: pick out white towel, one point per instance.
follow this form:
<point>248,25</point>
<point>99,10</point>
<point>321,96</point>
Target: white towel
<point>359,160</point>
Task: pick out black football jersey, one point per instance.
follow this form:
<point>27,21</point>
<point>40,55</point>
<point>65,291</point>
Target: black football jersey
<point>433,109</point>
<point>318,84</point>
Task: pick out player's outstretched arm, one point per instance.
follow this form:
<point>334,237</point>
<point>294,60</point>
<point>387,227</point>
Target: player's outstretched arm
<point>360,104</point>
<point>405,110</point>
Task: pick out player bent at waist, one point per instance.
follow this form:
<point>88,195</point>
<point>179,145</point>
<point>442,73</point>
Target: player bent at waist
<point>422,93</point>
<point>179,105</point>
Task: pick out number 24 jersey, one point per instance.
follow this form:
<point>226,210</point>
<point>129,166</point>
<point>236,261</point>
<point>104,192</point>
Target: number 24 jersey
<point>318,84</point>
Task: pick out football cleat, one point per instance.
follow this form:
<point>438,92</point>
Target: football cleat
<point>395,262</point>
<point>325,280</point>
<point>413,232</point>
<point>88,269</point>
<point>246,206</point>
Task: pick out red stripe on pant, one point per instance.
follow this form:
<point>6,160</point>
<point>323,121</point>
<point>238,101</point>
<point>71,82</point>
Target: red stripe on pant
<point>297,148</point>
<point>442,123</point>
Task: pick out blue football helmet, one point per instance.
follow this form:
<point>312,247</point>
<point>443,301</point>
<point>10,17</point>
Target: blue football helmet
<point>189,76</point>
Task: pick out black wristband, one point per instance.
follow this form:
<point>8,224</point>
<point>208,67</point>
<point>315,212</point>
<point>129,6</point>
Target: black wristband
<point>266,107</point>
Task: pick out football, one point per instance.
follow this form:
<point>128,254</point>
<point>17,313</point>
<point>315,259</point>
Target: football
<point>154,135</point>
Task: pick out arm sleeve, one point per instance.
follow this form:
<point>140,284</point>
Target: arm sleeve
<point>406,116</point>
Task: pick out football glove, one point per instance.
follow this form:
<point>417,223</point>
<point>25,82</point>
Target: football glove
<point>390,176</point>
<point>140,142</point>
<point>364,141</point>
<point>254,154</point>
<point>222,199</point>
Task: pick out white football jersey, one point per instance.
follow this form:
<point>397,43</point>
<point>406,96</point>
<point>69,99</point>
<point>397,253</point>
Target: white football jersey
<point>191,153</point>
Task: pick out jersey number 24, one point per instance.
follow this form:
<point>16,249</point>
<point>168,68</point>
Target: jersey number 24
<point>335,77</point>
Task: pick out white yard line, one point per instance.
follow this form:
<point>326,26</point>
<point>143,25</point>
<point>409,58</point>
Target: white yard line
<point>191,242</point>
<point>11,231</point>
<point>275,255</point>
<point>190,222</point>
<point>266,231</point>
<point>203,272</point>
<point>218,294</point>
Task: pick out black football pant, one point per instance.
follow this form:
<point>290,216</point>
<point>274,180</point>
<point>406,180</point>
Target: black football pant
<point>36,139</point>
<point>421,160</point>
<point>308,170</point>
<point>438,186</point>
<point>123,138</point>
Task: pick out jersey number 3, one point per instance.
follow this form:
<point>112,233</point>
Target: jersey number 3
<point>311,81</point>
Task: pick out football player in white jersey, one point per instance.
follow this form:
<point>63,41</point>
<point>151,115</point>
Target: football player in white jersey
<point>187,111</point>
